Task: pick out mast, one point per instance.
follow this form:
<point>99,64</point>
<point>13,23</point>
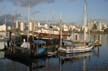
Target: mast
<point>6,27</point>
<point>85,19</point>
<point>28,18</point>
<point>60,31</point>
<point>14,28</point>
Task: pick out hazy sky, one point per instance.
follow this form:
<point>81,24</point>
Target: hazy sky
<point>71,10</point>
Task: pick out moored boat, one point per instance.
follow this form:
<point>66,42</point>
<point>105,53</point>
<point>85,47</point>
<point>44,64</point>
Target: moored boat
<point>76,49</point>
<point>79,49</point>
<point>25,50</point>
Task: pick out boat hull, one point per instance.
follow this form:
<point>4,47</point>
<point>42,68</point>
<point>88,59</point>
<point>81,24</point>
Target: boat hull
<point>25,52</point>
<point>80,49</point>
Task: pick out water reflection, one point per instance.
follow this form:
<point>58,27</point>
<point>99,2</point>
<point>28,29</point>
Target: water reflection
<point>76,62</point>
<point>2,54</point>
<point>31,64</point>
<point>74,58</point>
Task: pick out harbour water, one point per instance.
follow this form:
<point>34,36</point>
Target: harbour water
<point>96,60</point>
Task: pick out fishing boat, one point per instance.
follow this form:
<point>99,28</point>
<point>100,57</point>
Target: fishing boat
<point>28,48</point>
<point>31,47</point>
<point>72,48</point>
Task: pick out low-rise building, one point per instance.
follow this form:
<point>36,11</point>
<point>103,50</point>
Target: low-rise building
<point>2,31</point>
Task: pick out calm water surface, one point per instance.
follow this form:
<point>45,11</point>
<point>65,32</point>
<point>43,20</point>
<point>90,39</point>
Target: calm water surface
<point>97,60</point>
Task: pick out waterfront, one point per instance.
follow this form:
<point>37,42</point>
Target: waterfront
<point>97,60</point>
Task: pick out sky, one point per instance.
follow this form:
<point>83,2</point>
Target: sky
<point>70,10</point>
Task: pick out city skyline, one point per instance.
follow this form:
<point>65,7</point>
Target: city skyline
<point>71,10</point>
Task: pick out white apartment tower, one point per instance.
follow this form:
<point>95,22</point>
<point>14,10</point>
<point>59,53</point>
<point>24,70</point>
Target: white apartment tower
<point>22,26</point>
<point>16,24</point>
<point>3,27</point>
<point>3,30</point>
<point>30,26</point>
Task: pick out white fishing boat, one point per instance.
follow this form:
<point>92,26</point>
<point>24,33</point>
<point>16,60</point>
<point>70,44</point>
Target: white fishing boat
<point>72,48</point>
